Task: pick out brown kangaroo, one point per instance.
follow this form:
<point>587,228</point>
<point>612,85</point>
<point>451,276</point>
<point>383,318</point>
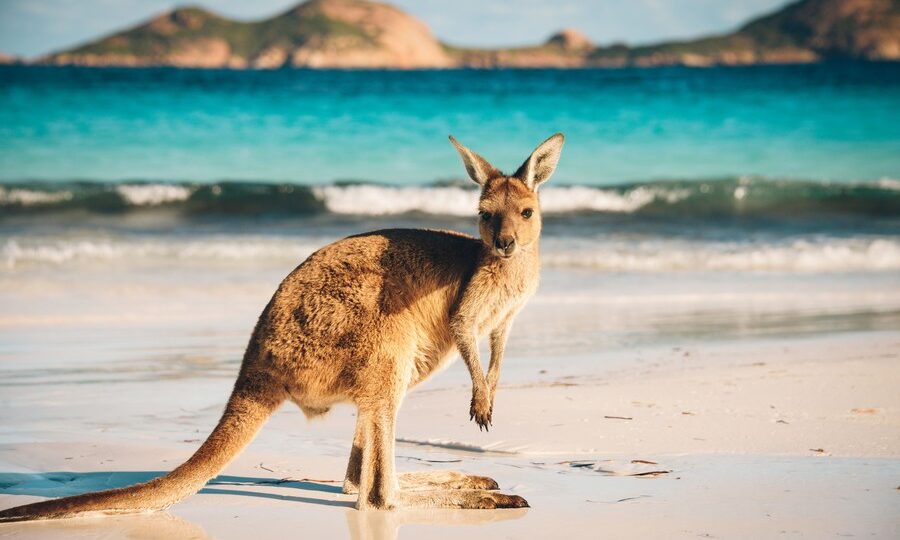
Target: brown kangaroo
<point>363,320</point>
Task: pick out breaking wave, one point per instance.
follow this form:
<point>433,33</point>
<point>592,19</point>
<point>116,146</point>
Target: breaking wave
<point>742,196</point>
<point>808,255</point>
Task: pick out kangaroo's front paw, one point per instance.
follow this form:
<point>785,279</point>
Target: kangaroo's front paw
<point>480,410</point>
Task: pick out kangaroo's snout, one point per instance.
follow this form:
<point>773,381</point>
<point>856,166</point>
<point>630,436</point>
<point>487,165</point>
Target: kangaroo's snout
<point>505,245</point>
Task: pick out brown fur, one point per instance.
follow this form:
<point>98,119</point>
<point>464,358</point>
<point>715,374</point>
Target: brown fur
<point>363,320</point>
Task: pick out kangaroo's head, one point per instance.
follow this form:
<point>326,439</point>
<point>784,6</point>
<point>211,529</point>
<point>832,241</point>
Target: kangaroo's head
<point>509,213</point>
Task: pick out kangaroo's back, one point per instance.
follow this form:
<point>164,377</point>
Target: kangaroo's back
<point>341,306</point>
<point>371,277</point>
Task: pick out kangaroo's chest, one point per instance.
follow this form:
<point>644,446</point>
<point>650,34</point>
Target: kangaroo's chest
<point>503,302</point>
<point>435,353</point>
<point>498,297</point>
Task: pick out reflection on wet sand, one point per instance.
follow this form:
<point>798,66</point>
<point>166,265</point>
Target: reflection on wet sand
<point>134,527</point>
<point>383,525</point>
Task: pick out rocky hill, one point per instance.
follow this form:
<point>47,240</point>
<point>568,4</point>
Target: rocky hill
<point>8,59</point>
<point>365,34</point>
<point>805,31</point>
<point>317,33</point>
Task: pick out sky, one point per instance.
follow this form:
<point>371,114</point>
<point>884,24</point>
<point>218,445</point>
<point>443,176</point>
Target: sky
<point>33,27</point>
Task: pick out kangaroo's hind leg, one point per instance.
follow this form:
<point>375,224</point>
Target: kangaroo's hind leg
<point>412,481</point>
<point>354,466</point>
<point>378,486</point>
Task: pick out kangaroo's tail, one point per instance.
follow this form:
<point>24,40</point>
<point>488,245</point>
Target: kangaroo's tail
<point>246,412</point>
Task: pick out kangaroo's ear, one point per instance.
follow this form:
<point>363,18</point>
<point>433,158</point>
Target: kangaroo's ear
<point>540,165</point>
<point>478,168</point>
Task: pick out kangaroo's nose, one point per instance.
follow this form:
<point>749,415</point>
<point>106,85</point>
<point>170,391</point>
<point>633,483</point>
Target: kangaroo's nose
<point>505,244</point>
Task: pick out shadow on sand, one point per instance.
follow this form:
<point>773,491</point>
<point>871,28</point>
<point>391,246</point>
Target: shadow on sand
<point>65,483</point>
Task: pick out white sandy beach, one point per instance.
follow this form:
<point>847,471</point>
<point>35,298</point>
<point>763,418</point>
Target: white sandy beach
<point>632,406</point>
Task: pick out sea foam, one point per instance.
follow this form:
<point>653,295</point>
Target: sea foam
<point>31,197</point>
<point>797,256</point>
<point>153,194</point>
<point>864,254</point>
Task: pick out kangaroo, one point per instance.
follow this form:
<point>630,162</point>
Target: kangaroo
<point>363,320</point>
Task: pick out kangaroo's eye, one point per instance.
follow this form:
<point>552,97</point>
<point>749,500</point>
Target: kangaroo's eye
<point>485,216</point>
<point>527,213</point>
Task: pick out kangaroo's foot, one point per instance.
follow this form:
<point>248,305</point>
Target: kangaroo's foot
<point>431,480</point>
<point>475,499</point>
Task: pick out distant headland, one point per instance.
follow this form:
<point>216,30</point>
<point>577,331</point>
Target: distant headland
<point>366,34</point>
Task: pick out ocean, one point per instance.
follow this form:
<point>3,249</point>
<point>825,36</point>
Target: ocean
<point>762,168</point>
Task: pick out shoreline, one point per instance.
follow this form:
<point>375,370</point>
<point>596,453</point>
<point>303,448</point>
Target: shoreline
<point>475,67</point>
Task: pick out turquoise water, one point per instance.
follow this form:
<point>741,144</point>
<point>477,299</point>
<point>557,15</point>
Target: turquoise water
<point>819,122</point>
<point>754,169</point>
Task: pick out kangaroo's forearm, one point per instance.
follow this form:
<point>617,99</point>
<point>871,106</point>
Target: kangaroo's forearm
<point>467,345</point>
<point>498,347</point>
